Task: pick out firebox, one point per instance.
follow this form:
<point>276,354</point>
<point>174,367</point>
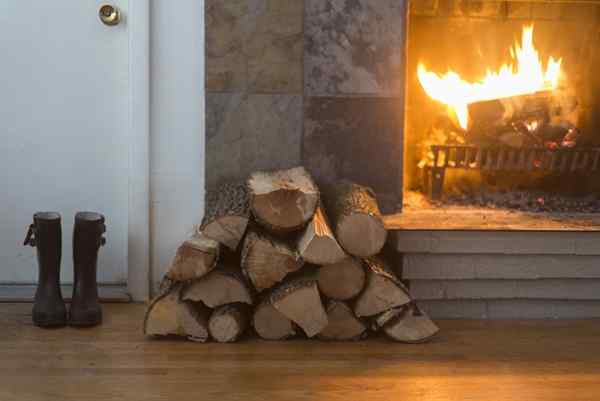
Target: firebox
<point>502,106</point>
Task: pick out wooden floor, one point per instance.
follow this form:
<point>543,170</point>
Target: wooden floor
<point>488,361</point>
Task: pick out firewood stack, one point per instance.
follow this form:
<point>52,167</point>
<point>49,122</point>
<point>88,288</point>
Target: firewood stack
<point>267,260</point>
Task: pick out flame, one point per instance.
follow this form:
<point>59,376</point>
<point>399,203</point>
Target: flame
<point>528,76</point>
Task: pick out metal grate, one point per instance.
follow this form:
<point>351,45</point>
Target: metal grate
<point>506,159</point>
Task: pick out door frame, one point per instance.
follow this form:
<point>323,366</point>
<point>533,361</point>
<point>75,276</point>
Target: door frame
<point>138,237</point>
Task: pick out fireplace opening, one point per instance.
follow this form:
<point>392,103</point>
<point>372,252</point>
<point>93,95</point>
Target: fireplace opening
<point>503,106</point>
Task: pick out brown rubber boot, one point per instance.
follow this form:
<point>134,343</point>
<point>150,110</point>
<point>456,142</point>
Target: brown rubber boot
<point>45,234</point>
<point>87,240</point>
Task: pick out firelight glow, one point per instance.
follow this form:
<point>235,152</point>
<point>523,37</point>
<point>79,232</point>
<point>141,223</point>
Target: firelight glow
<point>526,77</point>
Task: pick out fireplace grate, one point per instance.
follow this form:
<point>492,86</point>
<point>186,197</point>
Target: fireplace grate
<point>506,159</point>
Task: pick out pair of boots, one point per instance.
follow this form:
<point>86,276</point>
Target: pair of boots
<point>45,234</point>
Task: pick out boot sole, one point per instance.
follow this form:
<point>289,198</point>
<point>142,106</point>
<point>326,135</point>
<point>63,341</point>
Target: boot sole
<point>84,324</point>
<point>50,323</point>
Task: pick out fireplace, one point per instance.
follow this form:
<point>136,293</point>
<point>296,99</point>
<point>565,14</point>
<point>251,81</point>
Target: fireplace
<point>501,107</point>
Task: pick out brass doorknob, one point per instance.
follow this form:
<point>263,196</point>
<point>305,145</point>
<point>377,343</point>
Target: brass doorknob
<point>109,14</point>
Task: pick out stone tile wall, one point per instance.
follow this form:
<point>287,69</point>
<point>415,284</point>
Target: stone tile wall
<point>313,82</point>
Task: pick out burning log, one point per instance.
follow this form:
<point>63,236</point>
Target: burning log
<point>283,201</point>
<point>299,300</point>
<point>270,324</point>
<point>227,214</point>
<point>195,258</point>
<point>410,325</point>
<point>523,114</point>
<point>342,281</point>
<point>317,244</point>
<point>224,285</point>
<point>356,218</point>
<point>343,325</point>
<point>266,260</point>
<point>383,290</point>
<point>168,315</point>
<point>228,322</point>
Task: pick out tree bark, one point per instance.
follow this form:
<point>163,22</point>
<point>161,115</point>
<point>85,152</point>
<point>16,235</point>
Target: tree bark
<point>318,245</point>
<point>270,324</point>
<point>383,290</point>
<point>283,201</point>
<point>342,281</point>
<point>168,315</point>
<point>411,326</point>
<point>227,214</point>
<point>229,322</point>
<point>195,258</point>
<point>343,325</point>
<point>266,260</point>
<point>299,300</point>
<point>224,285</point>
<point>356,218</point>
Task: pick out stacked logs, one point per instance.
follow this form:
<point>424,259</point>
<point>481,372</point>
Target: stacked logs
<point>276,257</point>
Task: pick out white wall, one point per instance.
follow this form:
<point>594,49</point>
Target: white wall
<point>177,126</point>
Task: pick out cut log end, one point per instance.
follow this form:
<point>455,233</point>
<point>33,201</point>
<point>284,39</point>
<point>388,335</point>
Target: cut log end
<point>227,230</point>
<point>266,261</point>
<point>195,258</point>
<point>342,281</point>
<point>383,290</point>
<point>224,285</point>
<point>343,325</point>
<point>362,235</point>
<point>228,322</point>
<point>283,200</point>
<point>317,244</point>
<point>299,301</point>
<point>270,324</point>
<point>411,326</point>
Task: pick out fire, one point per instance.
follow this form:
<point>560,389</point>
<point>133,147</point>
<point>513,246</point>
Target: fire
<point>526,77</point>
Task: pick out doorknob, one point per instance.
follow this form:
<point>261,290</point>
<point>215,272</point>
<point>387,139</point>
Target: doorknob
<point>109,15</point>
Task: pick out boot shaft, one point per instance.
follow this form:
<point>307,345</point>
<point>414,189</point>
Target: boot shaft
<point>87,240</point>
<point>45,234</point>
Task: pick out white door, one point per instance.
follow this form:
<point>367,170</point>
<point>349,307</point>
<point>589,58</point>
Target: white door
<point>64,118</point>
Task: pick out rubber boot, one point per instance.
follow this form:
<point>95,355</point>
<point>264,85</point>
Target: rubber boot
<point>87,239</point>
<point>45,234</point>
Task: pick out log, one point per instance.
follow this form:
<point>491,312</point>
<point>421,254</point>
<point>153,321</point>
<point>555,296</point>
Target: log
<point>283,201</point>
<point>266,260</point>
<point>229,322</point>
<point>356,218</point>
<point>194,258</point>
<point>317,244</point>
<point>227,213</point>
<point>270,324</point>
<point>298,299</point>
<point>411,326</point>
<point>487,119</point>
<point>342,281</point>
<point>343,325</point>
<point>383,290</point>
<point>224,285</point>
<point>168,315</point>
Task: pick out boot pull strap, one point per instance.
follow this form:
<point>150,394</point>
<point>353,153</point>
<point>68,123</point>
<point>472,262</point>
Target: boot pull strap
<point>29,237</point>
<point>102,231</point>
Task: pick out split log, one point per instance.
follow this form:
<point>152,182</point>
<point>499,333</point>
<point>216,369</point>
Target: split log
<point>356,218</point>
<point>168,315</point>
<point>299,300</point>
<point>411,326</point>
<point>383,290</point>
<point>317,244</point>
<point>283,201</point>
<point>266,260</point>
<point>227,214</point>
<point>229,322</point>
<point>270,324</point>
<point>224,285</point>
<point>195,258</point>
<point>342,281</point>
<point>343,325</point>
